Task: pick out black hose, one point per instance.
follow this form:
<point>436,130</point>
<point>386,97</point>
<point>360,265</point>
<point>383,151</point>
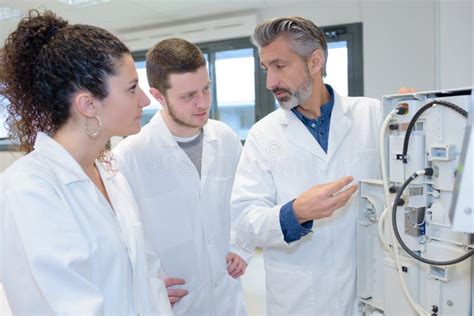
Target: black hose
<point>418,114</point>
<point>428,171</point>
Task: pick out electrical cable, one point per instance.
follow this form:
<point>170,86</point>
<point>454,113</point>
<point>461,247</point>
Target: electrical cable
<point>401,110</point>
<point>384,179</point>
<point>418,114</point>
<point>427,172</point>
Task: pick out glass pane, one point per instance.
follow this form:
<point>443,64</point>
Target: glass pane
<point>154,106</point>
<point>235,84</point>
<point>337,68</point>
<point>3,117</point>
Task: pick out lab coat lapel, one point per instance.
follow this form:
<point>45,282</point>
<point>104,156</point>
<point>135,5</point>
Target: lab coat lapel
<point>182,166</point>
<point>129,224</point>
<point>161,135</point>
<point>208,152</point>
<point>298,134</point>
<point>340,125</point>
<point>121,207</point>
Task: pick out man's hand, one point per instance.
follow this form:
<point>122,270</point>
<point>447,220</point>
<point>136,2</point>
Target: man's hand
<point>323,199</point>
<point>174,295</point>
<point>235,265</point>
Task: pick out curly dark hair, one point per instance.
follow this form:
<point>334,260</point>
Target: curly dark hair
<point>44,61</point>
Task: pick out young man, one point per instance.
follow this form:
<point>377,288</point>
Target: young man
<point>317,136</point>
<point>181,168</point>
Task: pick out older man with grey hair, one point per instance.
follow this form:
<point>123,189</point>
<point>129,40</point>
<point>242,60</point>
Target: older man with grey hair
<point>292,193</point>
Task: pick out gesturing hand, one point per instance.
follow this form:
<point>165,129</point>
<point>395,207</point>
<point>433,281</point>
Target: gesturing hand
<point>322,200</point>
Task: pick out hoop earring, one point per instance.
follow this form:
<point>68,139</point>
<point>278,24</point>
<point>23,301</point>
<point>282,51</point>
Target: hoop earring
<point>95,133</point>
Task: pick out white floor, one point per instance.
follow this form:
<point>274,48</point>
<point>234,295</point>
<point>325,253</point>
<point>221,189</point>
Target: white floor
<point>253,283</point>
<point>4,309</point>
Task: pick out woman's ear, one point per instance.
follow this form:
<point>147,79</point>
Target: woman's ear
<point>316,62</point>
<point>85,104</point>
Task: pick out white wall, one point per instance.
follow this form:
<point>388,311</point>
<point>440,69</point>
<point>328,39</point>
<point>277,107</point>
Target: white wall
<point>456,43</point>
<point>399,46</point>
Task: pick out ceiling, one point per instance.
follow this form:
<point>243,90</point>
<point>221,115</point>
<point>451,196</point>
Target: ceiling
<point>119,16</point>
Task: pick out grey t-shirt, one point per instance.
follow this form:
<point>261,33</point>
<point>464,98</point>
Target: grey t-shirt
<point>193,149</point>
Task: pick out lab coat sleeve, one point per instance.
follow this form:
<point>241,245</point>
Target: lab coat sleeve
<point>156,276</point>
<point>53,249</point>
<point>253,200</point>
<point>235,247</point>
<point>154,270</point>
<point>154,263</point>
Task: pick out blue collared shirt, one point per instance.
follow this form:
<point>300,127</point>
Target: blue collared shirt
<point>319,128</point>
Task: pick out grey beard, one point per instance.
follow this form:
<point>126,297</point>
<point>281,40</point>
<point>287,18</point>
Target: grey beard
<point>297,98</point>
<point>289,104</point>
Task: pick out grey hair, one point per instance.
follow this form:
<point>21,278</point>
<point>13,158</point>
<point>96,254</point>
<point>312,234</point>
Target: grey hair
<point>304,37</point>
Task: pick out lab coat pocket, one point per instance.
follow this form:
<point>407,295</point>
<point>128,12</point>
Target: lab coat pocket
<point>231,298</point>
<point>290,290</point>
<point>159,297</point>
<point>191,302</point>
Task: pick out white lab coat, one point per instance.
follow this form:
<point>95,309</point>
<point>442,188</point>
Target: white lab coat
<point>64,250</point>
<point>187,218</point>
<point>280,160</point>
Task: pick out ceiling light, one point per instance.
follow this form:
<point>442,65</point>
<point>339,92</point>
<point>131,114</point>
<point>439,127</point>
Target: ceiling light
<point>83,3</point>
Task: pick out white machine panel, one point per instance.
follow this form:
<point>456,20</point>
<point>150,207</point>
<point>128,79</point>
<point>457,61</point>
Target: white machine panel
<point>433,274</point>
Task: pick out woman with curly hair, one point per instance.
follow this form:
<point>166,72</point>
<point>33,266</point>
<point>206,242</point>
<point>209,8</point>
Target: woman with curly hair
<point>72,240</point>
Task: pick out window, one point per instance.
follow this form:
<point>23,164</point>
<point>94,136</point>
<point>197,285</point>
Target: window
<point>3,117</point>
<point>240,97</point>
<point>336,67</point>
<point>5,142</point>
<point>154,106</point>
<point>345,62</point>
<point>232,70</point>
